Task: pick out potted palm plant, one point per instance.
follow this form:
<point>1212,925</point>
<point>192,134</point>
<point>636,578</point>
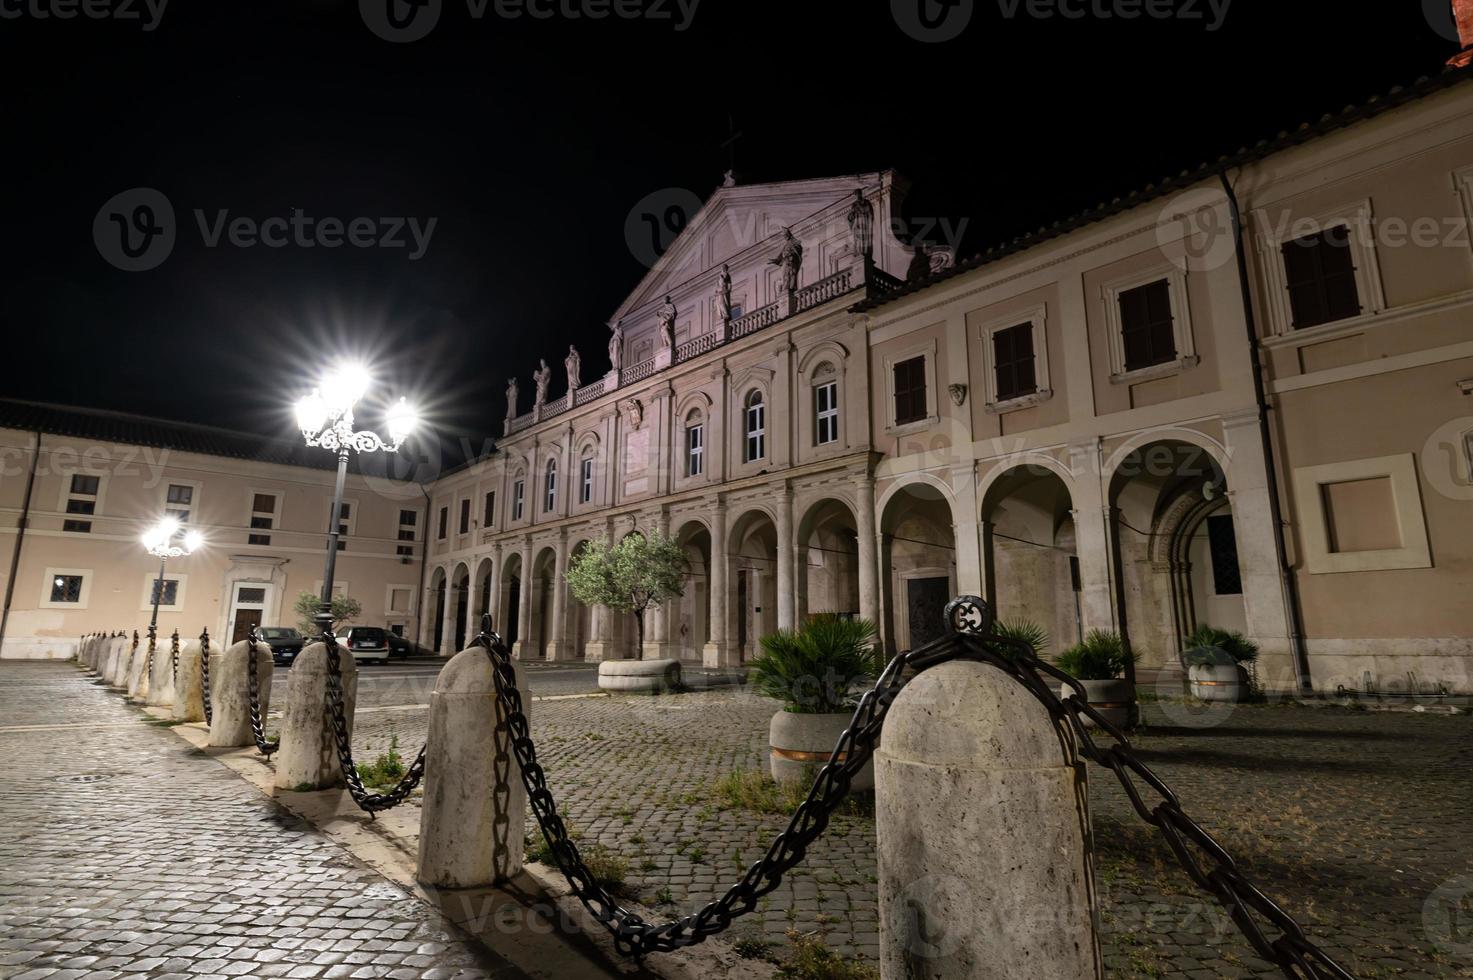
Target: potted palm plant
<point>1098,664</point>
<point>813,671</point>
<point>1214,659</point>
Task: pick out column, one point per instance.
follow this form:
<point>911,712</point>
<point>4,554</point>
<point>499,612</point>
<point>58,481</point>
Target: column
<point>557,641</point>
<point>447,623</point>
<point>1092,520</point>
<point>717,652</point>
<point>524,603</point>
<point>786,604</point>
<point>658,616</point>
<point>869,568</point>
<point>968,543</point>
<point>494,610</point>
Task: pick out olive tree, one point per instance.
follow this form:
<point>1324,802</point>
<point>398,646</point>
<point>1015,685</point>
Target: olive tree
<point>639,571</point>
<point>345,609</point>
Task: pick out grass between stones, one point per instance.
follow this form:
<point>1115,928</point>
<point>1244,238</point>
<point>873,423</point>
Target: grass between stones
<point>755,790</point>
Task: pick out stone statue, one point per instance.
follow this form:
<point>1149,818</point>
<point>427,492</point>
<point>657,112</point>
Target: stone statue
<point>574,364</point>
<point>616,347</point>
<point>635,409</point>
<point>666,315</point>
<point>723,293</point>
<point>511,398</point>
<point>862,225</point>
<point>920,263</point>
<point>791,260</point>
<point>543,377</point>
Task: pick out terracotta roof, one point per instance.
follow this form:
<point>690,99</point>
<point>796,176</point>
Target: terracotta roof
<point>1326,124</point>
<point>140,430</point>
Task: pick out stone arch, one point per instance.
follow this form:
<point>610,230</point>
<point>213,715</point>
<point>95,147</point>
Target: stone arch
<point>1030,549</point>
<point>918,560</point>
<point>689,617</point>
<point>1029,458</point>
<point>827,579</point>
<point>434,626</point>
<point>1175,433</point>
<point>752,577</point>
<point>459,596</point>
<point>824,350</point>
<point>508,598</point>
<point>543,582</point>
<point>482,601</point>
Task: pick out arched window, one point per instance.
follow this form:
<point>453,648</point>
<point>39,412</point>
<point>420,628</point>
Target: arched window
<point>518,497</point>
<point>695,443</point>
<point>825,405</point>
<point>585,477</point>
<point>550,487</point>
<point>756,415</point>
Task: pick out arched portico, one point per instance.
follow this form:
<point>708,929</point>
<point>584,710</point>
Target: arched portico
<point>1030,551</point>
<point>828,559</point>
<point>918,560</point>
<point>753,597</point>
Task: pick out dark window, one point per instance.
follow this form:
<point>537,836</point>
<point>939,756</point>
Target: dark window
<point>910,391</point>
<point>444,523</point>
<point>406,534</point>
<point>465,516</point>
<point>77,527</point>
<point>260,523</point>
<point>518,494</point>
<point>1145,325</point>
<point>404,550</point>
<point>1320,273</point>
<point>81,506</point>
<point>408,518</point>
<point>1226,580</point>
<point>489,517</point>
<point>66,588</point>
<point>168,595</point>
<point>179,494</point>
<point>585,480</point>
<point>264,503</point>
<point>1012,351</point>
<point>85,484</point>
<point>258,539</point>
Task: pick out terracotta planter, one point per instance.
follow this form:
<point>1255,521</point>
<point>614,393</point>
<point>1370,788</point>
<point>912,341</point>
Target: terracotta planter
<point>801,744</point>
<point>1218,682</point>
<point>1114,699</point>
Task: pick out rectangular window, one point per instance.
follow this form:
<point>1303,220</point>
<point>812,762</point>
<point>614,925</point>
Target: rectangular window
<point>408,518</point>
<point>465,516</point>
<point>258,539</point>
<point>263,503</point>
<point>488,519</point>
<point>88,486</point>
<point>1319,271</point>
<point>1223,545</point>
<point>1146,325</point>
<point>66,588</point>
<point>83,501</point>
<point>165,592</point>
<point>260,522</point>
<point>756,430</point>
<point>179,498</point>
<point>263,517</point>
<point>585,480</point>
<point>78,506</point>
<point>518,495</point>
<point>695,450</point>
<point>910,390</point>
<point>826,413</point>
<point>549,496</point>
<point>77,527</point>
<point>345,516</point>
<point>444,523</point>
<point>1012,353</point>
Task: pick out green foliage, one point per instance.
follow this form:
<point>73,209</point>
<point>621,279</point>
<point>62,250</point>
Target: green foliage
<point>809,958</point>
<point>608,869</point>
<point>812,669</point>
<point>640,571</point>
<point>1023,630</point>
<point>345,609</point>
<point>1101,657</point>
<point>385,771</point>
<point>1210,646</point>
<point>757,791</point>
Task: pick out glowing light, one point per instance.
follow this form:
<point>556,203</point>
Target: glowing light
<point>311,412</point>
<point>345,386</point>
<point>402,421</point>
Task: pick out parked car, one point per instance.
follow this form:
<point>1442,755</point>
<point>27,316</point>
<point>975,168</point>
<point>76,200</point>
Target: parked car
<point>284,641</point>
<point>368,644</point>
<point>401,646</point>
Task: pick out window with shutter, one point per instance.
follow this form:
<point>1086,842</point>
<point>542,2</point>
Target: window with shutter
<point>1319,272</point>
<point>1146,325</point>
<point>1012,351</point>
<point>910,391</point>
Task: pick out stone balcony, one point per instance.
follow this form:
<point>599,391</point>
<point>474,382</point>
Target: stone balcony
<point>875,282</point>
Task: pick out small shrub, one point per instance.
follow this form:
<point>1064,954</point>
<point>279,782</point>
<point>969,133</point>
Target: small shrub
<point>812,669</point>
<point>385,771</point>
<point>1101,657</point>
<point>1022,630</point>
<point>1210,646</point>
<point>809,958</point>
<point>753,949</point>
<point>755,790</point>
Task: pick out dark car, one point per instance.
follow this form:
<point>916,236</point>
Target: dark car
<point>285,642</point>
<point>400,646</point>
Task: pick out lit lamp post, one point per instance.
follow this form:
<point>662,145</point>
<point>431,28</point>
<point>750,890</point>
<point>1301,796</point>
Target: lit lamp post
<point>325,417</point>
<point>159,541</point>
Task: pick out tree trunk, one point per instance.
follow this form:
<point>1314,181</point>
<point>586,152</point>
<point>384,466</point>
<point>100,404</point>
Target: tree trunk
<point>639,634</point>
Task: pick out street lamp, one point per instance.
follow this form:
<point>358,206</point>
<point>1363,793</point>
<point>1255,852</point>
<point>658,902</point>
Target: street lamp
<point>325,416</point>
<point>159,542</point>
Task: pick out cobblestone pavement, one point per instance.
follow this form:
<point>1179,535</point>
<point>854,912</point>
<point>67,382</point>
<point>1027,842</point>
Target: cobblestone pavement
<point>125,853</point>
<point>1353,819</point>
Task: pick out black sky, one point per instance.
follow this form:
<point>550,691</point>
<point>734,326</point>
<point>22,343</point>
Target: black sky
<point>530,141</point>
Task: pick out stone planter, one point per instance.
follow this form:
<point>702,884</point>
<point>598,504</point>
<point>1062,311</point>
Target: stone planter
<point>1114,699</point>
<point>1218,682</point>
<point>801,744</point>
<point>647,676</point>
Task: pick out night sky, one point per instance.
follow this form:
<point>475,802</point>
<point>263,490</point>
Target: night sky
<point>530,141</point>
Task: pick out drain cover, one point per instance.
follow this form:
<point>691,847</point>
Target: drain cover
<point>86,777</point>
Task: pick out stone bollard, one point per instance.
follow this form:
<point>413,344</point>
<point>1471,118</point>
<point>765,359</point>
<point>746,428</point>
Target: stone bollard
<point>982,826</point>
<point>309,754</point>
<point>230,726</point>
<point>89,649</point>
<point>189,701</point>
<point>139,671</point>
<point>474,808</point>
<point>95,646</point>
<point>120,654</point>
<point>161,680</point>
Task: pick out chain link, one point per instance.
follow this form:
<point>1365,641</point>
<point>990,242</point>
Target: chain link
<point>204,676</point>
<point>971,619</point>
<point>372,803</point>
<point>174,657</point>
<point>253,687</point>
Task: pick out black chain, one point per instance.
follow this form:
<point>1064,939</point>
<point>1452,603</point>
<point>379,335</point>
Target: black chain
<point>174,656</point>
<point>370,802</point>
<point>970,617</point>
<point>253,685</point>
<point>204,675</point>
